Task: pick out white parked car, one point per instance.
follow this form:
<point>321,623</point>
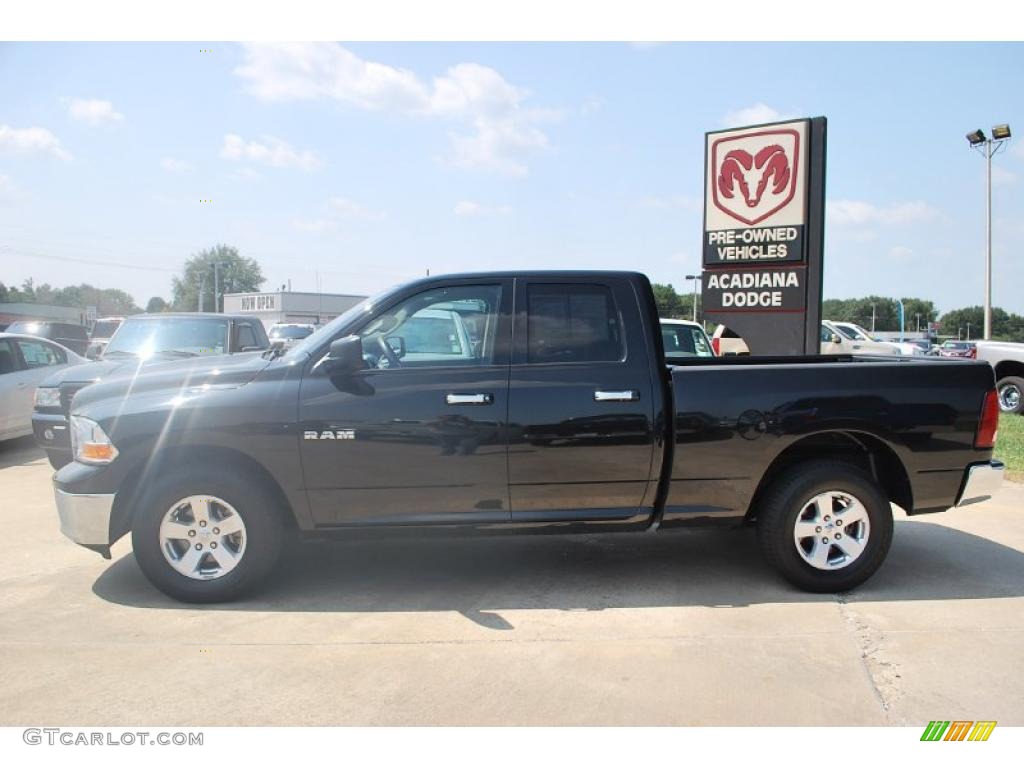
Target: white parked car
<point>685,338</point>
<point>24,362</point>
<point>285,335</point>
<point>840,337</point>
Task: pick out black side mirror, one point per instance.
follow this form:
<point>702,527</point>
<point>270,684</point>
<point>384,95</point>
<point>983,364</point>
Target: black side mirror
<point>345,355</point>
<point>397,344</point>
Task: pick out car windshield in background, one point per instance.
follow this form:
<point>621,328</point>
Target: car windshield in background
<point>852,332</point>
<point>290,332</point>
<point>104,330</point>
<point>28,328</point>
<point>177,335</point>
<point>685,341</point>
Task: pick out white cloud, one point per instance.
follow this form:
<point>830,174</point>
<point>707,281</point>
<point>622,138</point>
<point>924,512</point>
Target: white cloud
<point>173,165</point>
<point>503,129</point>
<point>758,113</point>
<point>269,150</point>
<point>313,225</point>
<point>900,252</point>
<point>468,208</point>
<point>672,202</point>
<point>94,111</point>
<point>859,212</point>
<point>9,192</point>
<point>350,209</point>
<point>1003,177</point>
<point>25,140</point>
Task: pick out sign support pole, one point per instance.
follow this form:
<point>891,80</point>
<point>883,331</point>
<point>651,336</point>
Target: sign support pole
<point>815,233</point>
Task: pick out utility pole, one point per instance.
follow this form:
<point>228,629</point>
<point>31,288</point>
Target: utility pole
<point>917,315</point>
<point>216,285</point>
<point>696,279</point>
<point>968,332</point>
<point>202,290</point>
<point>872,317</point>
<point>988,148</point>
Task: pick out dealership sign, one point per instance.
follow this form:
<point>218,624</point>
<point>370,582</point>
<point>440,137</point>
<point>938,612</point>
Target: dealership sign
<point>259,302</point>
<point>763,217</point>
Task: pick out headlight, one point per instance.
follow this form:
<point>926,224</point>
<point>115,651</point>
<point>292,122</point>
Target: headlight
<point>47,397</point>
<point>89,443</point>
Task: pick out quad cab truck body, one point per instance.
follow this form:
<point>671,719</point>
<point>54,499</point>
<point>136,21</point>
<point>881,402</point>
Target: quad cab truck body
<point>517,403</point>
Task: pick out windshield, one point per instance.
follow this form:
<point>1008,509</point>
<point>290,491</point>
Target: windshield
<point>685,341</point>
<point>144,338</point>
<point>28,328</point>
<point>104,329</point>
<point>852,332</point>
<point>290,332</point>
<point>329,331</point>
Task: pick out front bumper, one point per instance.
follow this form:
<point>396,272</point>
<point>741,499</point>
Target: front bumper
<point>85,518</point>
<point>981,481</point>
<point>51,431</point>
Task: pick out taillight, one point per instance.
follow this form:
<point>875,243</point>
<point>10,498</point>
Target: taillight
<point>972,352</point>
<point>716,344</point>
<point>988,424</point>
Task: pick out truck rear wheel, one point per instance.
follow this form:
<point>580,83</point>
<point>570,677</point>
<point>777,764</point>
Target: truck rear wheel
<point>201,536</point>
<point>825,526</point>
<point>1011,394</point>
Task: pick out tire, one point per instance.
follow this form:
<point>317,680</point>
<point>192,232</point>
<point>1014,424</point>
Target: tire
<point>1011,394</point>
<point>58,459</point>
<point>837,566</point>
<point>249,553</point>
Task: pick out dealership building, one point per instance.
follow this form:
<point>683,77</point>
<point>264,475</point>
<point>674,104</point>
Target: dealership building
<point>289,306</point>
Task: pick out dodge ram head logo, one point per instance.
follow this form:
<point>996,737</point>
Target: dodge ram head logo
<point>754,174</point>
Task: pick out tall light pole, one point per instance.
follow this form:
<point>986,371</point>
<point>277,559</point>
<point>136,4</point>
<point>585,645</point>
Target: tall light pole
<point>696,280</point>
<point>988,148</point>
<point>872,317</point>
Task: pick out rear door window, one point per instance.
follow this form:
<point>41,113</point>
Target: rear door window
<point>572,323</point>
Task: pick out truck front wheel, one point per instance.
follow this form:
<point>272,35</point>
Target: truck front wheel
<point>825,526</point>
<point>201,536</point>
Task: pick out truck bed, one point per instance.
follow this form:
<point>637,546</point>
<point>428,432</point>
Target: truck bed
<point>920,414</point>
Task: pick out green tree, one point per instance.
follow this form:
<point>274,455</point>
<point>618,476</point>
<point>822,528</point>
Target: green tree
<point>237,274</point>
<point>1006,326</point>
<point>671,304</point>
<point>156,304</point>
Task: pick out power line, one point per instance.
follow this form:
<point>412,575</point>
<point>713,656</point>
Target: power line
<point>90,262</point>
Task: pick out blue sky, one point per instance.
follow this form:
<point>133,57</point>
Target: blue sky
<point>371,163</point>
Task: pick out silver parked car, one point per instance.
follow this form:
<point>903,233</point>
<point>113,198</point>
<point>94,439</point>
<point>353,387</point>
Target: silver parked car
<point>24,362</point>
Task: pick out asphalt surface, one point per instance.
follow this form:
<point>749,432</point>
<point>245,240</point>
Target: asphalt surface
<point>684,628</point>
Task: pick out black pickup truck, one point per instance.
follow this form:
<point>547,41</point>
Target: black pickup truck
<point>140,341</point>
<point>517,402</point>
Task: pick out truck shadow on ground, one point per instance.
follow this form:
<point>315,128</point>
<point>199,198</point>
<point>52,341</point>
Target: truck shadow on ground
<point>479,577</point>
<point>19,452</point>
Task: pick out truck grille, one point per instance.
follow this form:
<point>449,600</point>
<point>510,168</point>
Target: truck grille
<point>67,394</point>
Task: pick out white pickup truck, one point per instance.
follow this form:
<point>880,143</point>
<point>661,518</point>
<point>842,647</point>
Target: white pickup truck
<point>1007,358</point>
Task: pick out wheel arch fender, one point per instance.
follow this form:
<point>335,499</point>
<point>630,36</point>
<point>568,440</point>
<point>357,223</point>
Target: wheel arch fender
<point>864,450</point>
<point>180,457</point>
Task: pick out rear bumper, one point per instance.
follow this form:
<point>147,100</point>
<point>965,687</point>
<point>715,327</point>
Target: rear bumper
<point>981,481</point>
<point>85,518</point>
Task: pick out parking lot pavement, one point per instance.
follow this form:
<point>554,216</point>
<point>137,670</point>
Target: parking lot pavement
<point>683,628</point>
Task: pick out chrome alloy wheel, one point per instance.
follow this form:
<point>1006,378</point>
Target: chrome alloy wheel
<point>1009,397</point>
<point>202,537</point>
<point>831,530</point>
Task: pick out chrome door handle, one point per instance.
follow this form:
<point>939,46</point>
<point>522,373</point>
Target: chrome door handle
<point>481,398</point>
<point>616,395</point>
